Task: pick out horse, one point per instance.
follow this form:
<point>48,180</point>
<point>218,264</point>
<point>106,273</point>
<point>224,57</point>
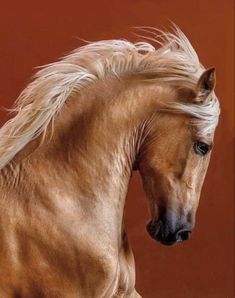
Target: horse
<point>79,130</point>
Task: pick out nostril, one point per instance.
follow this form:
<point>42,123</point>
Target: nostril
<point>182,235</point>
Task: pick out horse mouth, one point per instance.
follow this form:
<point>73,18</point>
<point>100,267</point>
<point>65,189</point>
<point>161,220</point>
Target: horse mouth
<point>153,230</point>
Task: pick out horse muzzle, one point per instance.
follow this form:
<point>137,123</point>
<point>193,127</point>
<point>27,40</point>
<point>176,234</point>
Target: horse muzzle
<point>168,232</point>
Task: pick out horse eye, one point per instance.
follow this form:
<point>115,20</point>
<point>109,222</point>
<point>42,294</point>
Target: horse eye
<point>201,148</point>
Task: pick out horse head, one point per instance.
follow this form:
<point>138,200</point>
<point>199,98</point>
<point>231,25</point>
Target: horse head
<point>173,161</point>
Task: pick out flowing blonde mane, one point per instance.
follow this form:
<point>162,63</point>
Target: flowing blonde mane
<point>43,98</point>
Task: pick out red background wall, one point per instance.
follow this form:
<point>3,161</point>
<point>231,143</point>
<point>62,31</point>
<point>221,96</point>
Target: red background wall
<point>33,34</point>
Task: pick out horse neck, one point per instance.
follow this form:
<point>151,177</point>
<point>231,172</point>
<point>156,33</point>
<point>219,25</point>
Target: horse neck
<point>88,162</point>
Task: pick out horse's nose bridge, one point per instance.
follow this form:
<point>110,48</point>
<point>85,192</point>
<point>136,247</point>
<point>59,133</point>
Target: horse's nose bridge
<point>182,199</point>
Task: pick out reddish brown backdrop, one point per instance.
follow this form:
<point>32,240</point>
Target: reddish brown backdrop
<point>35,34</point>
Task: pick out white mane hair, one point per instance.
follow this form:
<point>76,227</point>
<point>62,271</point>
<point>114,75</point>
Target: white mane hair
<point>174,59</point>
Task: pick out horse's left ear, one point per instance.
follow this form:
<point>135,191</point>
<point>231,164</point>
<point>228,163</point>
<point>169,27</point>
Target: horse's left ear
<point>206,84</point>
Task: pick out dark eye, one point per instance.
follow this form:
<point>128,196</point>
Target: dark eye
<point>201,148</point>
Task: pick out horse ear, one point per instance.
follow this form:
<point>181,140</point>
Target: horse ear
<point>206,84</point>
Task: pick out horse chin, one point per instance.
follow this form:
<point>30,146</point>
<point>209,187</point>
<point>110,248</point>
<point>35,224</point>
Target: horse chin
<point>154,234</point>
<point>153,230</point>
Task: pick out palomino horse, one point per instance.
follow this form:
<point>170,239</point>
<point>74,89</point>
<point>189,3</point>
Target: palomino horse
<point>66,158</point>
